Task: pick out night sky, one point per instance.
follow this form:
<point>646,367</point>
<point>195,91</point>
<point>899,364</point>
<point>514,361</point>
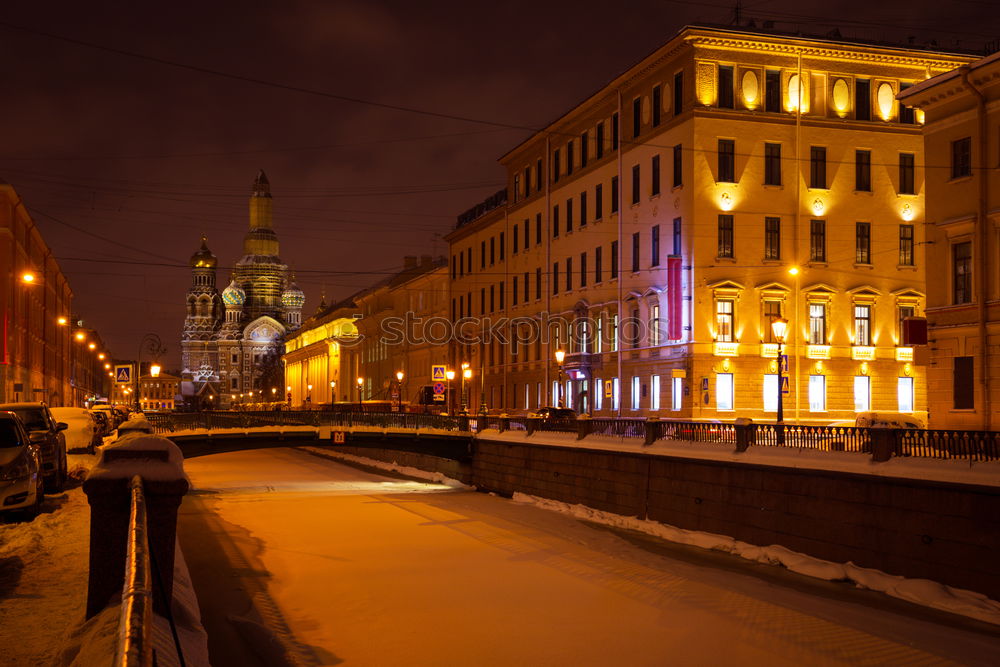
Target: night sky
<point>125,162</point>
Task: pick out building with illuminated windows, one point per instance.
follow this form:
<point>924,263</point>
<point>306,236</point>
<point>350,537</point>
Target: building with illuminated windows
<point>963,215</point>
<point>656,230</point>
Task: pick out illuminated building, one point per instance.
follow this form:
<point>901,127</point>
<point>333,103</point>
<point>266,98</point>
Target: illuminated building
<point>313,356</point>
<point>963,296</point>
<point>662,219</point>
<point>159,392</point>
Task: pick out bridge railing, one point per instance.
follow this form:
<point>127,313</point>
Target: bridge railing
<point>940,444</point>
<point>134,646</point>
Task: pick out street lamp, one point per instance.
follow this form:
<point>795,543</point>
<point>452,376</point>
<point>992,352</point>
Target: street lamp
<point>333,392</point>
<point>560,358</point>
<point>451,376</point>
<point>361,382</point>
<point>466,377</point>
<point>779,327</point>
<point>399,391</point>
<point>309,394</point>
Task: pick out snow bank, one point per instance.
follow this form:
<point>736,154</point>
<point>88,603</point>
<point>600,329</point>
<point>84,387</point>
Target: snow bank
<point>436,477</point>
<point>919,591</point>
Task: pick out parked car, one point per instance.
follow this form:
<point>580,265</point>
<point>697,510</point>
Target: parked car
<point>82,432</point>
<point>21,484</point>
<point>101,420</point>
<point>108,412</point>
<point>553,413</point>
<point>890,419</point>
<point>44,430</point>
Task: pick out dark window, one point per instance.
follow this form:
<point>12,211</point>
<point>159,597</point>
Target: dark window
<point>555,221</point>
<point>468,258</point>
<point>482,299</point>
<point>493,250</point>
<point>584,149</point>
<point>461,264</point>
<point>598,252</point>
<point>555,277</point>
<point>817,241</point>
<point>635,184</point>
<point>569,273</point>
<point>961,158</point>
<point>655,247</point>
<point>569,157</point>
<point>514,240</point>
<point>725,87</point>
<point>503,295</point>
<point>727,161</point>
<point>538,283</point>
<point>678,173</point>
<point>614,131</point>
<point>906,184</point>
<point>657,103</point>
<point>863,171</point>
<point>863,99</point>
<point>906,114</point>
<point>598,201</point>
<point>583,269</point>
<point>635,252</point>
<point>772,91</point>
<point>964,384</point>
<point>863,243</point>
<point>599,143</point>
<point>583,209</point>
<point>906,245</point>
<point>678,93</point>
<point>454,268</point>
<point>527,181</point>
<point>538,229</point>
<point>556,164</point>
<point>614,259</point>
<point>614,194</point>
<point>817,167</point>
<point>636,116</point>
<point>538,176</point>
<point>569,215</point>
<point>526,281</point>
<point>725,236</point>
<point>772,164</point>
<point>677,236</point>
<point>503,246</point>
<point>772,238</point>
<point>527,226</point>
<point>961,272</point>
<point>655,175</point>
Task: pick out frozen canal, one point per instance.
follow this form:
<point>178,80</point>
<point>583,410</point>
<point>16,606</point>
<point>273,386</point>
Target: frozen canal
<point>295,553</point>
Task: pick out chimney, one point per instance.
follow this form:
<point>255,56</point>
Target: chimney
<point>410,262</point>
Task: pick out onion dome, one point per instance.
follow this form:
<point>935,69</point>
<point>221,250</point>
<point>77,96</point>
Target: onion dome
<point>203,259</point>
<point>234,295</point>
<point>293,297</point>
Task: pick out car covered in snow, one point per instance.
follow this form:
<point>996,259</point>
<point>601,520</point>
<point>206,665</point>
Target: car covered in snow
<point>82,429</point>
<point>21,484</point>
<point>45,431</point>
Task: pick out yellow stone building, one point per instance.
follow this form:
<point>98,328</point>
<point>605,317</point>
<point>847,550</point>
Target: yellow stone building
<point>728,179</point>
<point>314,357</point>
<point>962,109</point>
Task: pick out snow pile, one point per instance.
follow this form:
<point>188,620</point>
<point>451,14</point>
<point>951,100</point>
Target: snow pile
<point>919,591</point>
<point>436,477</point>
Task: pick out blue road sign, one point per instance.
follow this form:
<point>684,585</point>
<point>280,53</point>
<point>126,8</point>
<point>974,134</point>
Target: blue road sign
<point>123,374</point>
<point>438,373</point>
<point>438,387</point>
<point>784,384</point>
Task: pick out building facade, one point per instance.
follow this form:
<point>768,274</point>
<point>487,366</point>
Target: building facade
<point>962,110</point>
<point>232,341</point>
<point>656,230</point>
<point>159,392</point>
<point>313,358</point>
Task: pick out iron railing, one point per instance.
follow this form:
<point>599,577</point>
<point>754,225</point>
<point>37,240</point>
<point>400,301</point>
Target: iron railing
<point>134,646</point>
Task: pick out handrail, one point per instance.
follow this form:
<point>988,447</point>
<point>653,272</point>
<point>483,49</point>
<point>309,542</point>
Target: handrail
<point>134,646</point>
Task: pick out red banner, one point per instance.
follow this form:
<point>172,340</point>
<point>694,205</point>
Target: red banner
<point>674,315</point>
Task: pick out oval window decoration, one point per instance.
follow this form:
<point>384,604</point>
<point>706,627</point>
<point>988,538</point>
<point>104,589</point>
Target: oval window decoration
<point>750,90</point>
<point>841,97</point>
<point>885,101</point>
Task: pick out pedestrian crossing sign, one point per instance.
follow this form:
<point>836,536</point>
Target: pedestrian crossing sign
<point>123,374</point>
<point>437,373</point>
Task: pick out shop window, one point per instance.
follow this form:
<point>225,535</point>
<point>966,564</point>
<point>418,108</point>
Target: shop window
<point>904,394</point>
<point>817,393</point>
<point>862,393</point>
<point>724,391</point>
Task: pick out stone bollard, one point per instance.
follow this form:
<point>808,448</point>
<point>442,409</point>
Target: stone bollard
<point>746,433</point>
<point>584,427</point>
<point>651,430</point>
<point>531,424</point>
<point>882,439</point>
<point>160,464</point>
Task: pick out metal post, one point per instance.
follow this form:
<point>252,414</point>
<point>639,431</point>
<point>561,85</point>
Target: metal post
<point>779,422</point>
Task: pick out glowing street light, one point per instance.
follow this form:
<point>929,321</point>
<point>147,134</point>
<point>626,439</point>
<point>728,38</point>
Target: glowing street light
<point>560,358</point>
<point>779,327</point>
<point>360,382</point>
<point>62,321</point>
<point>27,277</point>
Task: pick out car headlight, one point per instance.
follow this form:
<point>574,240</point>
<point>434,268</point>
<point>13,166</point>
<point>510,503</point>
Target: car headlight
<point>16,469</point>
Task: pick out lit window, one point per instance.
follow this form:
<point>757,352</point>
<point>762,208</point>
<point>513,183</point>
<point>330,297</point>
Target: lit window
<point>817,324</point>
<point>817,393</point>
<point>724,320</point>
<point>904,393</point>
<point>724,391</point>
<point>677,393</point>
<point>598,394</point>
<point>654,325</point>
<point>862,393</point>
<point>635,392</point>
<point>615,394</point>
<point>771,393</point>
<point>654,401</point>
<point>862,325</point>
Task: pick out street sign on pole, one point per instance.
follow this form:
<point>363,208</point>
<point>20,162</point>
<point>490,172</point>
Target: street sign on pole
<point>123,374</point>
<point>608,389</point>
<point>784,384</point>
<point>439,387</point>
<point>438,373</point>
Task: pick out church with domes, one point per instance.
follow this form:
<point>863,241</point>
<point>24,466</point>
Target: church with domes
<point>232,341</point>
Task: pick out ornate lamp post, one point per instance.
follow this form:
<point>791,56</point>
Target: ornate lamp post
<point>450,374</point>
<point>560,358</point>
<point>309,395</point>
<point>466,382</point>
<point>151,344</point>
<point>333,392</point>
<point>780,328</point>
<point>399,389</point>
<point>361,382</point>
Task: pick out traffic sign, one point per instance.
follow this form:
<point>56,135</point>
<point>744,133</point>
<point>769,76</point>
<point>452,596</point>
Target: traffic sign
<point>438,373</point>
<point>439,398</point>
<point>784,364</point>
<point>784,384</point>
<point>338,437</point>
<point>123,374</point>
<point>439,387</point>
<point>608,389</point>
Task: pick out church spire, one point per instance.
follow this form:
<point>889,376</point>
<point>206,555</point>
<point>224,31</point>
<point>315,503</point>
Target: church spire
<point>261,186</point>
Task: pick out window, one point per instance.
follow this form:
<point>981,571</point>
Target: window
<point>961,158</point>
<point>906,114</point>
<point>723,391</point>
<point>636,116</point>
<point>583,269</point>
<point>727,161</point>
<point>817,241</point>
<point>724,320</point>
<point>538,176</point>
<point>655,247</point>
<point>569,156</point>
<point>635,392</point>
<point>863,99</point>
<point>527,182</point>
<point>614,131</point>
<point>862,324</point>
<point>654,395</point>
<point>513,301</point>
<point>599,142</point>
<point>725,235</point>
<point>725,87</point>
<point>556,164</point>
<point>772,311</point>
<point>503,247</point>
<point>598,201</point>
<point>817,393</point>
<point>817,167</point>
<point>517,186</point>
<point>655,176</point>
<point>862,393</point>
<point>597,264</point>
<point>635,184</point>
<point>526,277</point>
<point>615,394</point>
<point>678,175</point>
<point>863,243</point>
<point>598,394</point>
<point>635,252</point>
<point>583,209</point>
<point>772,238</point>
<point>863,171</point>
<point>677,237</point>
<point>555,277</point>
<point>614,259</point>
<point>963,387</point>
<point>676,393</point>
<point>961,272</point>
<point>906,245</point>
<point>613,333</point>
<point>569,215</point>
<point>584,149</point>
<point>904,394</point>
<point>599,340</point>
<point>614,194</point>
<point>654,324</point>
<point>904,312</point>
<point>657,103</point>
<point>678,93</point>
<point>772,164</point>
<point>817,324</point>
<point>906,161</point>
<point>538,283</point>
<point>569,273</point>
<point>770,389</point>
<point>772,91</point>
<point>514,239</point>
<point>555,221</point>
